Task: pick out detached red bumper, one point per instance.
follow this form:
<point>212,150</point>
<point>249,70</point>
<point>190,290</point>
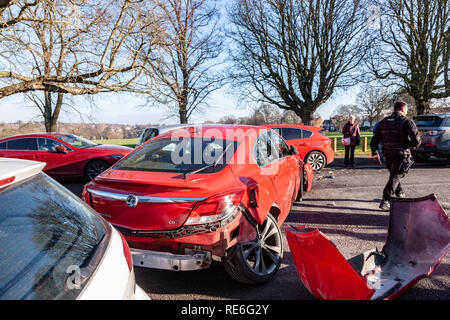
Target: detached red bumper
<point>418,239</point>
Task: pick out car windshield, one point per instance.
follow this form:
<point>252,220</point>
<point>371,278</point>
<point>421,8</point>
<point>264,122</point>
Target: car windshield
<point>179,155</point>
<point>77,142</point>
<point>47,235</point>
<point>428,121</point>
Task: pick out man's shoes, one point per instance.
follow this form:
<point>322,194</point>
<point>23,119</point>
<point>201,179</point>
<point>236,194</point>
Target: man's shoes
<point>385,205</point>
<point>400,194</point>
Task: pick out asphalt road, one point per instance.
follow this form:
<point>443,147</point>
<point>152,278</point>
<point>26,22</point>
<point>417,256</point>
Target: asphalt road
<point>344,206</point>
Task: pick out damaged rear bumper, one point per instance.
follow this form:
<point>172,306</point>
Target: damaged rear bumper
<point>418,239</point>
<point>168,261</point>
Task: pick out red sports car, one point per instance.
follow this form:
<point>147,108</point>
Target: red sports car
<point>66,155</point>
<point>200,193</point>
<point>313,146</point>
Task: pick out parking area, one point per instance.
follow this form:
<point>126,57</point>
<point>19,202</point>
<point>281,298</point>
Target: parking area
<point>343,205</point>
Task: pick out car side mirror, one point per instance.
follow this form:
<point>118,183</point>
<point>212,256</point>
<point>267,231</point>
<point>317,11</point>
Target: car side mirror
<point>293,150</point>
<point>61,149</point>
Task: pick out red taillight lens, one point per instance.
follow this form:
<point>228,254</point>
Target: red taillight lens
<point>6,181</point>
<point>215,208</point>
<point>127,252</point>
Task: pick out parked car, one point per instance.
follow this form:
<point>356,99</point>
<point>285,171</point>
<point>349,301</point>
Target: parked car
<point>225,200</point>
<point>66,155</point>
<point>313,146</point>
<point>149,133</point>
<point>435,134</point>
<point>152,132</point>
<point>54,246</point>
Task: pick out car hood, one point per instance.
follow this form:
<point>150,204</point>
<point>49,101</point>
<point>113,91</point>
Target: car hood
<point>112,148</point>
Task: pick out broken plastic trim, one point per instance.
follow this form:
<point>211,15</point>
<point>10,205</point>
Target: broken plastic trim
<point>417,241</point>
<point>184,231</point>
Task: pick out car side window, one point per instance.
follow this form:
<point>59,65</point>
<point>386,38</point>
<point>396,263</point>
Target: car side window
<point>291,133</point>
<point>280,145</point>
<point>3,146</point>
<point>48,145</point>
<point>446,123</point>
<point>306,134</point>
<point>28,144</point>
<point>265,152</point>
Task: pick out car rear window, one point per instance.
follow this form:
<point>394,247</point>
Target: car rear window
<point>46,235</point>
<point>291,133</point>
<point>428,121</point>
<point>181,155</point>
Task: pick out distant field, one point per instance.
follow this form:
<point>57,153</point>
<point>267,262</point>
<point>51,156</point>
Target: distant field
<point>358,151</point>
<point>119,142</point>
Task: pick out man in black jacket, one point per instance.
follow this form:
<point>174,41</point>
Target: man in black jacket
<point>399,134</point>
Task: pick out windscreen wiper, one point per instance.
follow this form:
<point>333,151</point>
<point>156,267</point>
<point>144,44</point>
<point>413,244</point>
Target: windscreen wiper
<point>187,174</point>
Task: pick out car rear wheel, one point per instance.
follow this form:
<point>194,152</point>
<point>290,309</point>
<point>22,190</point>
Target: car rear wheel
<point>420,157</point>
<point>317,160</point>
<point>257,261</point>
<point>94,168</point>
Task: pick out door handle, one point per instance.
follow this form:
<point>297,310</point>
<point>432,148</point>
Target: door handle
<point>39,157</point>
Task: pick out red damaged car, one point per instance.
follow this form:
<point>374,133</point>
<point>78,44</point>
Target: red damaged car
<point>200,193</point>
<point>313,146</point>
<point>66,155</point>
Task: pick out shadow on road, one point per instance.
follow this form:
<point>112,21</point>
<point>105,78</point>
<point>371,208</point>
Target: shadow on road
<point>205,283</point>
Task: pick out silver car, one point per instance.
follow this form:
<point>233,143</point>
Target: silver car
<point>152,132</point>
<point>435,133</point>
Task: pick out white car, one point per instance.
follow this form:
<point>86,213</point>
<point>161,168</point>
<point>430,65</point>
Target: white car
<point>53,246</point>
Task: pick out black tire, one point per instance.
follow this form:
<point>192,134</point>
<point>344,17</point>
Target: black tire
<point>257,261</point>
<point>420,157</point>
<point>301,189</point>
<point>94,168</point>
<point>317,160</point>
<point>305,180</point>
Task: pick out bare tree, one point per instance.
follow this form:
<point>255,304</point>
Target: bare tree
<point>343,112</point>
<point>295,53</point>
<point>75,47</point>
<point>185,68</point>
<point>374,103</point>
<point>411,48</point>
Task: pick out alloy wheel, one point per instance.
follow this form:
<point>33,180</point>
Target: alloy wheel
<point>316,160</point>
<point>263,255</point>
<point>95,168</point>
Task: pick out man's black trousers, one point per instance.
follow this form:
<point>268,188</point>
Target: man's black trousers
<point>396,160</point>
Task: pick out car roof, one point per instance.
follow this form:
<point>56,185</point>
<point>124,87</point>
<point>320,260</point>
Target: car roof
<point>286,125</point>
<point>15,170</point>
<point>37,134</point>
<point>224,129</point>
<point>441,115</point>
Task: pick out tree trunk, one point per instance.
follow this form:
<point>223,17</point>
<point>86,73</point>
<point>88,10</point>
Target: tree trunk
<point>306,114</point>
<point>422,106</point>
<point>51,114</point>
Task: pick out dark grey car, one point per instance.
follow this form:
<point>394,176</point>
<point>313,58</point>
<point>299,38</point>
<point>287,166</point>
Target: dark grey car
<point>435,134</point>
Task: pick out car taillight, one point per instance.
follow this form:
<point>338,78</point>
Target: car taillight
<point>215,208</point>
<point>6,181</point>
<point>86,196</point>
<point>433,133</point>
<point>127,253</point>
